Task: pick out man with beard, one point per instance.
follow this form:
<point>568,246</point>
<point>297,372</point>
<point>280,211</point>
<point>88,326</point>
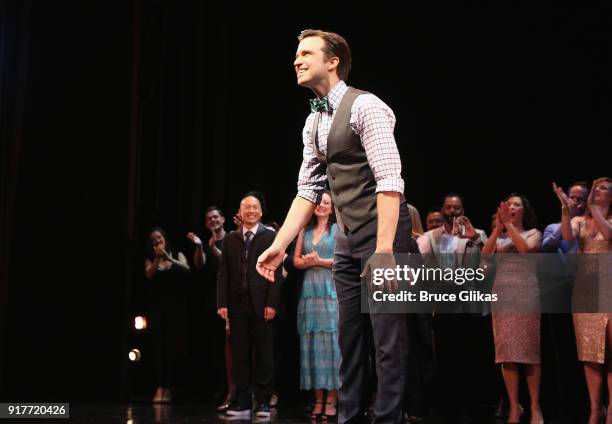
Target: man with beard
<point>459,334</point>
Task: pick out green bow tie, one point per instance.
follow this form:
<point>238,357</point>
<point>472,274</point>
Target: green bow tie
<point>320,105</point>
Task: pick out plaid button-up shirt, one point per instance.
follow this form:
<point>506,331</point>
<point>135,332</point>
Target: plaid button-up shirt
<point>373,121</point>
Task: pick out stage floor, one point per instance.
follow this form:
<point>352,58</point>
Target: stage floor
<point>201,414</point>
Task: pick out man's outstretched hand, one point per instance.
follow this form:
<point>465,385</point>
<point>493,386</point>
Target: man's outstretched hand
<point>269,261</point>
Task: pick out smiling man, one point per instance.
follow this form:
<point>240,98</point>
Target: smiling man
<point>349,144</point>
<point>250,304</point>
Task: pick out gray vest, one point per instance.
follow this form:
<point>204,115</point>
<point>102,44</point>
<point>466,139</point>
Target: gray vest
<point>351,180</point>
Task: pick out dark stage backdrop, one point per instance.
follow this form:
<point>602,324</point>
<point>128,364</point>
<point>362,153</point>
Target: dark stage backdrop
<point>119,115</point>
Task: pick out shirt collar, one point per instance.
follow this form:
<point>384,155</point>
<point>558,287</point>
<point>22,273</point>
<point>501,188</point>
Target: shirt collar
<point>336,94</point>
<point>253,230</point>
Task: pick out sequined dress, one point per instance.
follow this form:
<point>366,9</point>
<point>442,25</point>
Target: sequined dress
<point>516,334</point>
<point>590,328</point>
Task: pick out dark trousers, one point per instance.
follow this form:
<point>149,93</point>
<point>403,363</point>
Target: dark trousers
<point>421,364</point>
<point>248,330</point>
<point>460,340</point>
<point>389,331</point>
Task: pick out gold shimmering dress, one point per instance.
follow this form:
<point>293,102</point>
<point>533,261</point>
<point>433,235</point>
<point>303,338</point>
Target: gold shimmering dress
<point>591,327</point>
<point>516,333</point>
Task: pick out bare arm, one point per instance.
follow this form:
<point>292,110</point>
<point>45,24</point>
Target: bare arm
<point>151,267</point>
<point>604,226</point>
<point>524,245</point>
<point>424,244</point>
<point>567,230</point>
<point>491,244</point>
<point>215,250</point>
<point>519,242</point>
<point>300,212</point>
<point>387,205</point>
<point>199,257</point>
<point>298,261</point>
<point>181,262</point>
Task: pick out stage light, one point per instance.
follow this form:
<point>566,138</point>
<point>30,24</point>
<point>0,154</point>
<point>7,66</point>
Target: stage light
<point>134,355</point>
<point>140,323</point>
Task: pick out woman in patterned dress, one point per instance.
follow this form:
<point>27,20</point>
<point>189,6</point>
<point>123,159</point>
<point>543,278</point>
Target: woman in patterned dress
<point>593,330</point>
<point>318,309</point>
<point>516,332</point>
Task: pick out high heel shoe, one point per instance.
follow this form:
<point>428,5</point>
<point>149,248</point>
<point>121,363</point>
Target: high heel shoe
<point>521,412</point>
<point>167,396</point>
<point>537,418</point>
<point>159,394</point>
<point>226,403</point>
<point>315,415</point>
<point>327,416</point>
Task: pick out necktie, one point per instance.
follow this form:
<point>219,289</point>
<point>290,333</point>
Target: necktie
<point>320,105</point>
<point>248,238</point>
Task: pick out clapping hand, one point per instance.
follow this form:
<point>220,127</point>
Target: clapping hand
<point>504,213</point>
<point>237,220</point>
<point>565,202</point>
<point>194,239</point>
<point>160,252</point>
<point>469,231</point>
<point>312,258</point>
<point>212,241</point>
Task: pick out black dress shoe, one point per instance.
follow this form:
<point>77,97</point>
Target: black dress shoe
<point>262,410</point>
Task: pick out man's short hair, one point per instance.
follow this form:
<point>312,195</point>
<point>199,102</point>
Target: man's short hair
<point>335,46</point>
<point>582,184</point>
<point>214,208</point>
<point>457,195</point>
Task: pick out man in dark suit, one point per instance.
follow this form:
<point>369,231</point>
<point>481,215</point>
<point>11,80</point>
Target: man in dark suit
<point>249,303</point>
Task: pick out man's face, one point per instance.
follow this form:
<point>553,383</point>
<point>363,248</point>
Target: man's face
<point>578,196</point>
<point>214,220</point>
<point>451,208</point>
<point>434,220</point>
<point>311,65</point>
<point>250,211</point>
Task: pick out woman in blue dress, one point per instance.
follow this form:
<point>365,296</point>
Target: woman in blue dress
<point>318,310</point>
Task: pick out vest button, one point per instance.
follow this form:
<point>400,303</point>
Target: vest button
<point>340,209</point>
<point>333,177</point>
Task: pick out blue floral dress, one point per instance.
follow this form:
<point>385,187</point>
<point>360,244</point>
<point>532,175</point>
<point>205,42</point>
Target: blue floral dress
<point>318,319</point>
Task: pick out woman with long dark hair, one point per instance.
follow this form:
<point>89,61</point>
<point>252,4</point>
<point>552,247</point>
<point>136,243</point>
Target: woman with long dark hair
<point>318,309</point>
<point>165,269</point>
<point>516,332</point>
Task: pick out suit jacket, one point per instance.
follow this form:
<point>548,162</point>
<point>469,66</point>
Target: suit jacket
<point>232,293</point>
<point>464,246</point>
<point>467,255</point>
